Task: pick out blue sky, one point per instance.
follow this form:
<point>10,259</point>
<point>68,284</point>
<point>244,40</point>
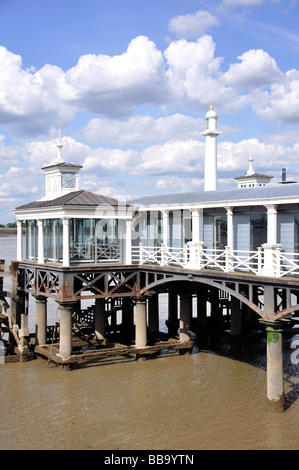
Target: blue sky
<point>129,84</point>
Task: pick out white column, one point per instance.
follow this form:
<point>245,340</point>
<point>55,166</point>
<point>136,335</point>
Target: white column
<point>271,224</point>
<point>19,241</point>
<point>210,163</point>
<point>211,134</point>
<point>230,233</point>
<point>129,241</point>
<point>165,224</point>
<point>66,242</point>
<point>271,249</point>
<point>40,248</point>
<point>195,225</point>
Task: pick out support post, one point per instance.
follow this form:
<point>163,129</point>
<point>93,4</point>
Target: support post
<point>235,316</point>
<point>271,266</point>
<point>127,315</point>
<point>100,319</point>
<point>172,322</point>
<point>185,317</point>
<point>65,331</point>
<point>40,320</point>
<point>275,385</point>
<point>153,313</point>
<point>275,382</point>
<point>140,327</point>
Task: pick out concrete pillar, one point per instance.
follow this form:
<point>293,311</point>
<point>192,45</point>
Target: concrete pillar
<point>65,331</point>
<point>100,319</point>
<point>275,383</point>
<point>140,327</point>
<point>235,316</point>
<point>40,320</point>
<point>185,317</point>
<point>153,313</point>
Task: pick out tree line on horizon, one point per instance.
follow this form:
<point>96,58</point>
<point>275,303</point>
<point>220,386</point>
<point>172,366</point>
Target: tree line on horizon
<point>9,225</point>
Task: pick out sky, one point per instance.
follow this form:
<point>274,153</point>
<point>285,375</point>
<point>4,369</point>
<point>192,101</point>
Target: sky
<point>129,83</point>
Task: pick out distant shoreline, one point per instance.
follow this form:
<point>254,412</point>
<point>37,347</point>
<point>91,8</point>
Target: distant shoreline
<point>7,232</point>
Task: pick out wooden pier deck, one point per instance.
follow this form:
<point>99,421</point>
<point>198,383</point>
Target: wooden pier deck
<point>99,351</point>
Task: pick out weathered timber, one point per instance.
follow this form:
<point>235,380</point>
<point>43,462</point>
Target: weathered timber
<point>51,351</point>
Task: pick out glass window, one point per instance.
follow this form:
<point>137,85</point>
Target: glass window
<point>94,241</point>
<point>82,240</point>
<point>258,230</point>
<point>186,226</point>
<point>31,239</point>
<point>107,247</point>
<point>220,231</point>
<point>53,240</point>
<point>154,228</point>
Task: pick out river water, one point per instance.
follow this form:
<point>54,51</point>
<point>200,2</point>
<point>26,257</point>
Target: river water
<point>213,399</point>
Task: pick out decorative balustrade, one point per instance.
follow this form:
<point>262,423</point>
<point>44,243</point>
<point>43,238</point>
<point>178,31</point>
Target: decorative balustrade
<point>91,253</point>
<point>268,260</point>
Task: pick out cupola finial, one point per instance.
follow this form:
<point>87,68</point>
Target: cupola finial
<point>59,146</point>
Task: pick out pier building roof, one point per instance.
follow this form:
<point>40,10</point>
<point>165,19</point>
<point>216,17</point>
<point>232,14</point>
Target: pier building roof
<point>75,198</point>
<point>222,197</point>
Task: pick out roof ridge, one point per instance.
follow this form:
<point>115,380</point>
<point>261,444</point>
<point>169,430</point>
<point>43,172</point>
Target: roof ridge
<point>72,194</point>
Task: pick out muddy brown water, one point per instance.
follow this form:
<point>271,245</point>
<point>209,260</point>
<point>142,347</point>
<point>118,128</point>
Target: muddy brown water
<point>214,398</point>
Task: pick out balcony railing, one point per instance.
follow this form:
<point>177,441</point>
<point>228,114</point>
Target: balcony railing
<point>268,260</point>
<point>91,253</point>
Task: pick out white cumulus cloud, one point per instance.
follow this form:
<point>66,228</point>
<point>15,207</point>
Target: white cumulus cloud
<point>193,25</point>
<point>143,129</point>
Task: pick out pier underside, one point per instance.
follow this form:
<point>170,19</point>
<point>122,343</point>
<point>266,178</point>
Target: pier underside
<point>123,318</point>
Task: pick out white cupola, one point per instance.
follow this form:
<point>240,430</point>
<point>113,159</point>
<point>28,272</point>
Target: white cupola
<point>61,177</point>
<point>211,134</point>
<point>252,179</point>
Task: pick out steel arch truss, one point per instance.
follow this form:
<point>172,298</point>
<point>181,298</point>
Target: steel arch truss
<point>270,299</point>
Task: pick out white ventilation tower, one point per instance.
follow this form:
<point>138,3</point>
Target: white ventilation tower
<point>211,134</point>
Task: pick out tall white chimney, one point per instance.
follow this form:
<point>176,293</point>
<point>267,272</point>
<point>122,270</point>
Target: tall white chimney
<point>211,134</point>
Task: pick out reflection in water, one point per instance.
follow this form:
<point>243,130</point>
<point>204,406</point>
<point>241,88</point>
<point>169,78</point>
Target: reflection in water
<point>211,399</point>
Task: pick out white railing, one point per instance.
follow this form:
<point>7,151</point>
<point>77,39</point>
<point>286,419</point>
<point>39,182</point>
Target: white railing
<point>289,264</point>
<point>91,253</point>
<point>268,260</point>
<point>162,255</point>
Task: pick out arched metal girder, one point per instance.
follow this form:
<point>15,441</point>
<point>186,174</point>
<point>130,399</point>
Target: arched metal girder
<point>91,282</point>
